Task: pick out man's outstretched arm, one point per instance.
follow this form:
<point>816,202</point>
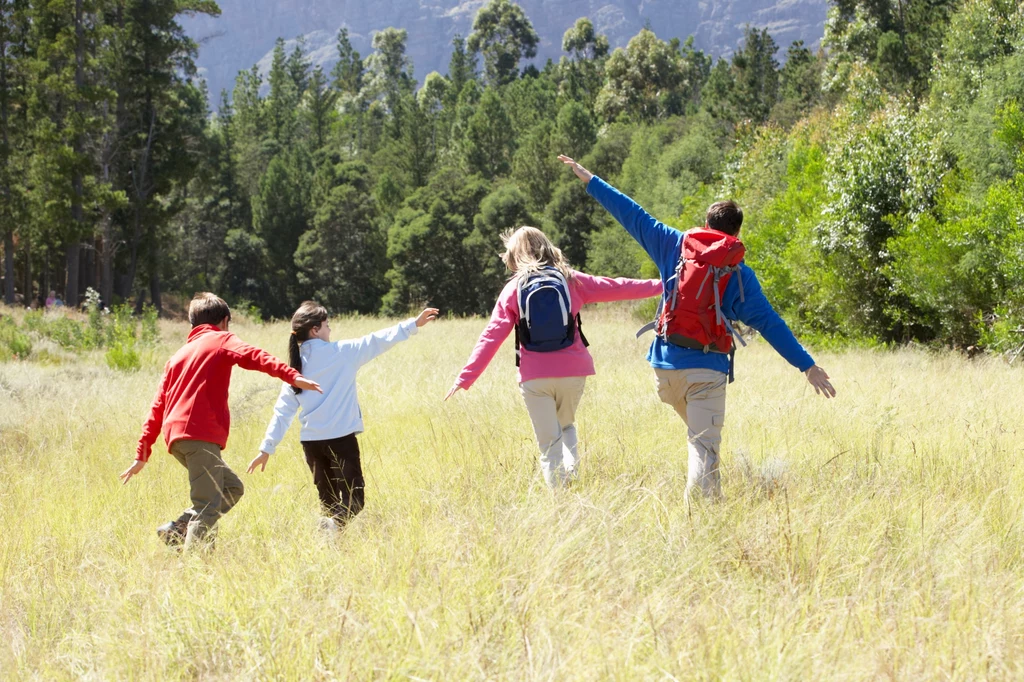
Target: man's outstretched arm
<point>757,312</point>
<point>659,240</point>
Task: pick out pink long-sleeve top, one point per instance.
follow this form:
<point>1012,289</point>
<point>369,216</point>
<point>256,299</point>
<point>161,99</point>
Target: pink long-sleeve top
<point>574,361</point>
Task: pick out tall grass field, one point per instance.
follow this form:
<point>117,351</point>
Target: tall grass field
<point>875,536</point>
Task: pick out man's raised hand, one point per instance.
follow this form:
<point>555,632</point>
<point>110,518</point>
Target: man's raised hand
<point>819,379</point>
<point>581,172</point>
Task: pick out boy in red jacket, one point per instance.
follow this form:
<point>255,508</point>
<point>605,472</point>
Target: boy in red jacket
<point>192,407</point>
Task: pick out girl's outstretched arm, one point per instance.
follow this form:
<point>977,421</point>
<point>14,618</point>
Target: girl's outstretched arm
<point>503,319</point>
<point>593,289</point>
<point>372,345</point>
<point>285,408</point>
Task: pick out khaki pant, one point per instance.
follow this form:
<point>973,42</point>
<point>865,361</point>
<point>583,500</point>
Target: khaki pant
<point>215,489</point>
<point>552,406</point>
<point>698,395</point>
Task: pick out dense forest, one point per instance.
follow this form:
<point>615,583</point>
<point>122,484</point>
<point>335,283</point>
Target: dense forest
<point>882,177</point>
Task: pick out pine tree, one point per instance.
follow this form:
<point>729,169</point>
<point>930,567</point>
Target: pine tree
<point>14,94</point>
<point>347,74</point>
<point>67,119</point>
<point>319,111</point>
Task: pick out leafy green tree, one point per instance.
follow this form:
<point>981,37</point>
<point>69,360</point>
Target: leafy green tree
<point>897,38</point>
<point>583,43</point>
<point>342,259</point>
<point>505,208</point>
<point>756,76</point>
<point>799,85</point>
<point>535,167</point>
<point>576,130</point>
<point>298,66</point>
<point>250,122</point>
<point>14,140</point>
<point>388,69</point>
<point>67,119</point>
<point>529,101</point>
<point>503,34</point>
<point>643,81</point>
<point>461,67</point>
<point>281,214</point>
<point>282,104</point>
<point>718,96</point>
<point>162,125</point>
<point>878,171</point>
<point>587,52</point>
<point>348,72</point>
<point>490,140</point>
<point>571,216</point>
<point>430,261</point>
<point>319,111</point>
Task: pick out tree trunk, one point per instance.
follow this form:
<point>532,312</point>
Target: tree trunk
<point>9,268</point>
<point>74,258</point>
<point>71,296</point>
<point>107,259</point>
<point>133,260</point>
<point>45,281</point>
<point>28,274</point>
<point>154,290</point>
<point>89,267</point>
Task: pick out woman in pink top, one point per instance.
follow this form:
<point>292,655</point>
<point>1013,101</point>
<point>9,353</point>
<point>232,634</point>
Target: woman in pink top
<point>551,383</point>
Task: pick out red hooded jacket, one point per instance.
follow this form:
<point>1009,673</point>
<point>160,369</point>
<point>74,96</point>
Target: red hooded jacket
<point>192,401</point>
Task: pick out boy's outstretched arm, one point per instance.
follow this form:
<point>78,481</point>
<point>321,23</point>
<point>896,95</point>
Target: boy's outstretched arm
<point>258,360</point>
<point>150,430</point>
<point>660,241</point>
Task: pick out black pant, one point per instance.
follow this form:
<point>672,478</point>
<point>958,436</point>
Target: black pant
<point>337,475</point>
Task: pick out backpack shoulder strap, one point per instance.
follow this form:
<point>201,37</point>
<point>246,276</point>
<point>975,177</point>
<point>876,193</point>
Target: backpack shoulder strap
<point>517,344</point>
<point>579,328</point>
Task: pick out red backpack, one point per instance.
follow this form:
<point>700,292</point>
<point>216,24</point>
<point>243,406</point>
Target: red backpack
<point>690,314</point>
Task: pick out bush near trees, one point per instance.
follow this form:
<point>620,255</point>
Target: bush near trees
<point>881,176</point>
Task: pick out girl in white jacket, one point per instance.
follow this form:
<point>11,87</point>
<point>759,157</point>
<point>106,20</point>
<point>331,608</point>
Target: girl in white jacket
<point>330,421</point>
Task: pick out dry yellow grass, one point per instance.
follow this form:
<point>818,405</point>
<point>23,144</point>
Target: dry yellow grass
<point>876,536</point>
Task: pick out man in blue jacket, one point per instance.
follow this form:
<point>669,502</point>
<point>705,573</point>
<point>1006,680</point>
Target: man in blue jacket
<point>691,381</point>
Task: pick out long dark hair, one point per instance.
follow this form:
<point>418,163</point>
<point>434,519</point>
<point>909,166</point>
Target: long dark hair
<point>310,314</point>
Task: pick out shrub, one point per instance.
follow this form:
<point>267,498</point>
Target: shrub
<point>14,343</point>
<point>150,328</point>
<point>123,357</point>
<point>122,341</point>
<point>69,334</point>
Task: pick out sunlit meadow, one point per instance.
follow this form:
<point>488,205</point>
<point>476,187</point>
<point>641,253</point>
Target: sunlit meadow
<point>876,536</point>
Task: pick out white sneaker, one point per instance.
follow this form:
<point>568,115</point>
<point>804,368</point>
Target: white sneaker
<point>328,526</point>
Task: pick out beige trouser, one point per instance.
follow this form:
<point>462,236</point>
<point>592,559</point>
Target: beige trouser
<point>552,406</point>
<point>698,395</point>
<point>215,488</point>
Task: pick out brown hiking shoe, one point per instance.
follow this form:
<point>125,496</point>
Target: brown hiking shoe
<point>173,532</point>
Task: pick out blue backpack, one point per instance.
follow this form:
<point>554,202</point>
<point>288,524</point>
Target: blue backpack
<point>546,323</point>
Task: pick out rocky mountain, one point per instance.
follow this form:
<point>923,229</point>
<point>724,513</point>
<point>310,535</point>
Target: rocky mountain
<point>245,33</point>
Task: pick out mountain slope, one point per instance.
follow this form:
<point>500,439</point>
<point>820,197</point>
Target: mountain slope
<point>246,31</point>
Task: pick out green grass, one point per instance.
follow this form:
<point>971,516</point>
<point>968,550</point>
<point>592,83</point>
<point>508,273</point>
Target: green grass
<point>877,536</point>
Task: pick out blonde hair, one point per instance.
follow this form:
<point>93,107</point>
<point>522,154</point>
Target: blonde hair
<point>527,250</point>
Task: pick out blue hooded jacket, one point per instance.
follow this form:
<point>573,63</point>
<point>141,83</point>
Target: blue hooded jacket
<point>663,243</point>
